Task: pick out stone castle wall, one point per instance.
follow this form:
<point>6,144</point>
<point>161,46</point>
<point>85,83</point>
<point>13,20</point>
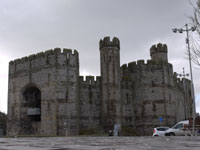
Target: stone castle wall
<point>149,96</point>
<point>150,91</point>
<point>55,74</point>
<point>133,96</point>
<point>90,103</point>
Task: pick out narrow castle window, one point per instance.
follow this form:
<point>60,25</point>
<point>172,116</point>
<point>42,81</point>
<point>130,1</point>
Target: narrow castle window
<point>12,111</point>
<point>190,93</point>
<point>47,59</point>
<point>90,97</point>
<point>49,79</point>
<point>170,101</point>
<point>110,58</point>
<point>127,99</point>
<point>48,106</point>
<point>152,83</point>
<point>66,95</point>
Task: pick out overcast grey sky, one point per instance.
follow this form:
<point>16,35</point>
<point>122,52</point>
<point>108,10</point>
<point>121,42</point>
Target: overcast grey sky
<point>31,26</point>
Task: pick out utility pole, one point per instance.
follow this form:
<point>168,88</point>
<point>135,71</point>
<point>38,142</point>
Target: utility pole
<point>180,30</point>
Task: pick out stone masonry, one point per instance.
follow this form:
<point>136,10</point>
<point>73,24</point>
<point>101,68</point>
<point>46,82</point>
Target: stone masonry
<point>48,97</point>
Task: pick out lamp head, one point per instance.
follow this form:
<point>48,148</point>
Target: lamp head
<point>180,30</point>
<point>174,30</point>
<point>193,28</point>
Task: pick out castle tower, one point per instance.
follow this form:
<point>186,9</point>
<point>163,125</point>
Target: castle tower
<point>111,82</point>
<point>159,52</point>
<point>43,94</point>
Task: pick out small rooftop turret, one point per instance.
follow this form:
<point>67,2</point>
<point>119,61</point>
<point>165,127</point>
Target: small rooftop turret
<point>159,52</point>
<point>107,43</point>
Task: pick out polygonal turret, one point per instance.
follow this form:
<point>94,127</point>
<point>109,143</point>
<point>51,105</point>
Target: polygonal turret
<point>111,82</point>
<point>159,52</point>
<point>107,43</point>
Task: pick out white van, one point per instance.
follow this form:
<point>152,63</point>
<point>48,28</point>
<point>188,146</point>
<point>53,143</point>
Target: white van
<point>177,130</point>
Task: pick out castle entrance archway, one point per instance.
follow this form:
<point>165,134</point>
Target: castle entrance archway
<point>32,100</point>
<point>31,111</point>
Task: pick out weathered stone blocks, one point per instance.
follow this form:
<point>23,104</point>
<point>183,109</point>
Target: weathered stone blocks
<point>134,96</point>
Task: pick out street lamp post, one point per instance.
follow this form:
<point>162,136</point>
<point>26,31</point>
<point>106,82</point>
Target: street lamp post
<point>183,75</point>
<point>190,64</point>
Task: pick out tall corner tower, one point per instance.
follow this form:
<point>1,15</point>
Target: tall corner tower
<point>159,52</point>
<point>111,82</point>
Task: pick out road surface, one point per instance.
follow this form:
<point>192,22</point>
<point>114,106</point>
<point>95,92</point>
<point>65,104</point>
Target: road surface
<point>101,143</point>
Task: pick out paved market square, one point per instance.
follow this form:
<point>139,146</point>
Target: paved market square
<point>101,143</point>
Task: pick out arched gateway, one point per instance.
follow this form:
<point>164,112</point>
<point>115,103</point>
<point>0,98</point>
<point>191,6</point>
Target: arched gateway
<point>30,119</point>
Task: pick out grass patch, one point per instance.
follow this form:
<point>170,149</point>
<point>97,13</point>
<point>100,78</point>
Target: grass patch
<point>88,132</point>
<point>128,131</point>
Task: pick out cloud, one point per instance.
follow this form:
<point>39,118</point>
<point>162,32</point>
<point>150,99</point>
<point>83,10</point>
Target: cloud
<point>28,27</point>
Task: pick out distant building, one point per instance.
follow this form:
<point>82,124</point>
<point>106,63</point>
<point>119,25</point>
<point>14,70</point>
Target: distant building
<point>46,95</point>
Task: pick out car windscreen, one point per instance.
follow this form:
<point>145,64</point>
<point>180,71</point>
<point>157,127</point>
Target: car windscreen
<point>178,126</point>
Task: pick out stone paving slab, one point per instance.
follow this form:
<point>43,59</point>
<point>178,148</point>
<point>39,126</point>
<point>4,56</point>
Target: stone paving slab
<point>101,143</point>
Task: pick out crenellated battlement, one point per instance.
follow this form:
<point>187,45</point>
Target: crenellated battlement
<point>175,75</point>
<point>124,67</point>
<point>160,48</point>
<point>159,52</point>
<point>181,82</point>
<point>106,42</point>
<point>142,70</point>
<point>90,80</point>
<point>49,57</point>
<point>44,54</point>
<point>132,64</point>
<point>141,63</point>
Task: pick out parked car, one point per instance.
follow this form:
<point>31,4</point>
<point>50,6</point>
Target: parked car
<point>160,131</point>
<point>177,130</point>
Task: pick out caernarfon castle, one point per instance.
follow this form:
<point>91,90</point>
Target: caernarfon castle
<point>48,97</point>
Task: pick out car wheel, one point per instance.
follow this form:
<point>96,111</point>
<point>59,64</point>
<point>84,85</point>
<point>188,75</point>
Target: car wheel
<point>172,134</point>
<point>156,135</point>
